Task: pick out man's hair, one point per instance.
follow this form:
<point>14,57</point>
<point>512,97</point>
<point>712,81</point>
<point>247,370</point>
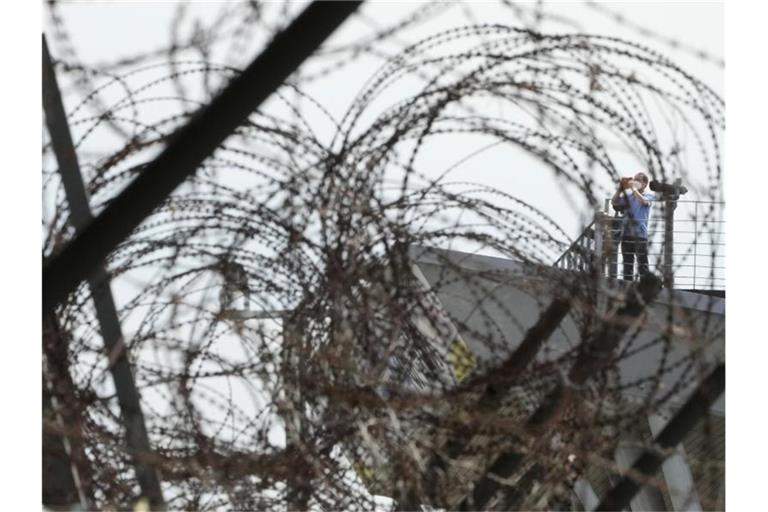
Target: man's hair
<point>643,177</point>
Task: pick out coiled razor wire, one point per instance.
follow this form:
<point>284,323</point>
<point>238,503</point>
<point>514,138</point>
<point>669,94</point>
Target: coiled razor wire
<point>286,349</point>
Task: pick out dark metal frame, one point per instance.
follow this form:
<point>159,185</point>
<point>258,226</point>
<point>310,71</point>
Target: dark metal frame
<point>649,462</point>
<point>594,354</point>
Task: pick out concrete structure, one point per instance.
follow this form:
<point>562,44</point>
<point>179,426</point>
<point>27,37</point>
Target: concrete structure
<point>492,302</point>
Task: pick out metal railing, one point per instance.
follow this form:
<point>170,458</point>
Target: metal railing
<point>691,255</point>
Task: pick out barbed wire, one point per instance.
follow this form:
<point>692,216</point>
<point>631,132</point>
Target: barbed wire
<point>671,42</point>
<point>293,314</point>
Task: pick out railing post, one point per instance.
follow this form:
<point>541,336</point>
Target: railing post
<point>668,199</point>
<point>599,242</point>
<point>695,241</point>
<point>669,240</point>
<point>600,261</point>
<point>613,251</point>
<point>670,193</point>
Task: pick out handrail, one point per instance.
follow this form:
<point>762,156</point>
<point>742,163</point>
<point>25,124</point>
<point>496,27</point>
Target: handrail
<point>696,248</point>
<point>587,234</point>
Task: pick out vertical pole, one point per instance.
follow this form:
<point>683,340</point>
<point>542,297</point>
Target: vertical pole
<point>67,415</point>
<point>128,397</point>
<point>669,240</point>
<point>298,488</point>
<point>613,238</point>
<point>599,243</point>
<point>695,239</point>
<point>61,486</point>
<point>601,223</point>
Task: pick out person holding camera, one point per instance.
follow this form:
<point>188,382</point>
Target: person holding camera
<point>632,198</point>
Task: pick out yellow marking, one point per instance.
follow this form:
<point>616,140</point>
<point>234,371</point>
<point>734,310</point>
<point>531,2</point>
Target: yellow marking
<point>142,505</point>
<point>364,472</point>
<point>461,358</point>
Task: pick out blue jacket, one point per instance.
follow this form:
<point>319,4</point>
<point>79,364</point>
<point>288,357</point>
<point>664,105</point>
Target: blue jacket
<point>636,215</point>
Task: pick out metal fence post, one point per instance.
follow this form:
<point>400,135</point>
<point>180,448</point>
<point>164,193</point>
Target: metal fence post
<point>601,223</point>
<point>669,241</point>
<point>137,439</point>
<point>695,239</point>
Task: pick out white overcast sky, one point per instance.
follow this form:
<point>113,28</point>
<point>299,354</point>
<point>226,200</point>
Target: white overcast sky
<point>104,31</point>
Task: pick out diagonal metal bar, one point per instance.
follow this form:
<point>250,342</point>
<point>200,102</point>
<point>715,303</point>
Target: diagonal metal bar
<point>190,145</point>
<point>106,313</point>
<point>648,463</point>
<point>509,371</point>
<point>596,353</point>
<point>493,382</point>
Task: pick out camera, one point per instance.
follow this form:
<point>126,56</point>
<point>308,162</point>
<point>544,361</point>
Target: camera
<point>671,190</point>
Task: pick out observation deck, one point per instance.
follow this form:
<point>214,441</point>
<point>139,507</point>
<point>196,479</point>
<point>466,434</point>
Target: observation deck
<point>686,245</point>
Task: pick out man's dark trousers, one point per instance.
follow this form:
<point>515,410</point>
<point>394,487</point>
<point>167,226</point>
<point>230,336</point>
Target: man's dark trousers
<point>630,247</point>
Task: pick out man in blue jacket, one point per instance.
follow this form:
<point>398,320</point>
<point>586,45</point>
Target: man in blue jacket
<point>636,202</point>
